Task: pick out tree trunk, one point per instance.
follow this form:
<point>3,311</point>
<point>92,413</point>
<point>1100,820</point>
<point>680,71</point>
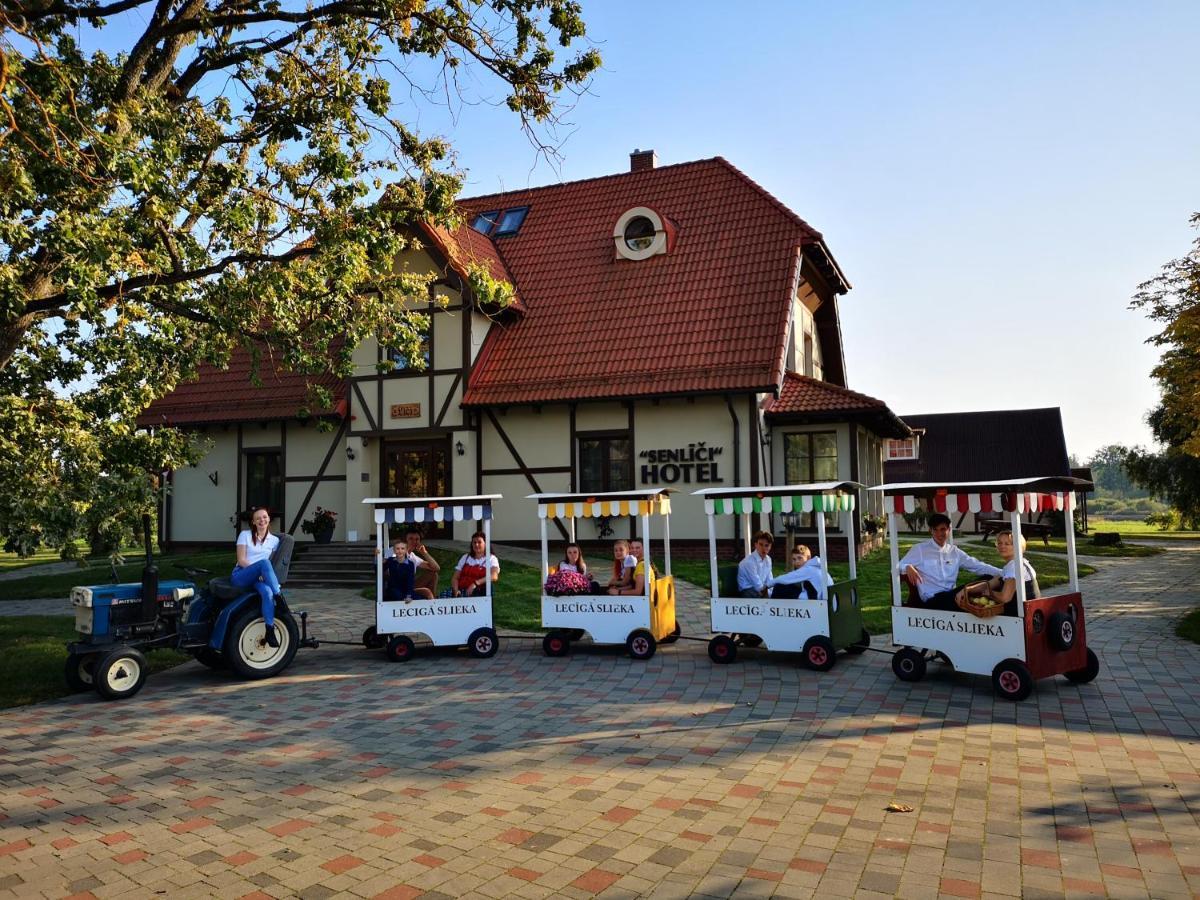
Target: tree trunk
<point>12,333</point>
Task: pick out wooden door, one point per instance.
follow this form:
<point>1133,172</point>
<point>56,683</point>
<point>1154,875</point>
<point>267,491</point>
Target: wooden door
<point>418,469</point>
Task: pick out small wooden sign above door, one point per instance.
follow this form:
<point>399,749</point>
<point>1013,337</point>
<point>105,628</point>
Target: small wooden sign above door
<point>406,410</point>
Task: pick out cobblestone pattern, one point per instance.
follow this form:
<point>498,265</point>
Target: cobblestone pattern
<point>526,776</point>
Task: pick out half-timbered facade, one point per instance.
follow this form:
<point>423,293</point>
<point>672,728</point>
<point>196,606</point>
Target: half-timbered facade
<point>673,327</point>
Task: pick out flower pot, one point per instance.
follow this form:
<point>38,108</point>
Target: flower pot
<point>323,537</point>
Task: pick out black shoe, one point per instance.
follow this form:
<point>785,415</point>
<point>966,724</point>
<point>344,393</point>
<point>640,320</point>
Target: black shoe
<point>271,639</point>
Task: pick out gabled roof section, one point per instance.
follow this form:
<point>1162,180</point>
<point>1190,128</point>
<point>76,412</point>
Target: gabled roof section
<point>464,246</point>
<point>981,446</point>
<point>226,395</point>
<point>805,399</point>
<point>710,315</point>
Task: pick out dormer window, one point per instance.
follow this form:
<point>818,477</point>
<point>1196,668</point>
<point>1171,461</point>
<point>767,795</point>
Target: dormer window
<point>640,233</point>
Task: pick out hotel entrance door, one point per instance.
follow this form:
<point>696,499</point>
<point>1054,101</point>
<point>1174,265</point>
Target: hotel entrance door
<point>418,469</point>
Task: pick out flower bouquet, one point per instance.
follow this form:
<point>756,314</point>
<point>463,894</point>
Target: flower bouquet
<point>564,584</point>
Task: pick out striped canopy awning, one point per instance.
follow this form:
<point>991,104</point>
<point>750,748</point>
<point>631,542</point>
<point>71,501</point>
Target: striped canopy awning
<point>1023,495</point>
<point>583,509</point>
<point>415,510</point>
<point>785,503</point>
<point>985,502</point>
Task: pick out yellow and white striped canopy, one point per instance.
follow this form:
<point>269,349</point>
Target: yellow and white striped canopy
<point>587,506</point>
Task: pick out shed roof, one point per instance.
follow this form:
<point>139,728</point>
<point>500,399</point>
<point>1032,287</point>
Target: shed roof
<point>805,399</point>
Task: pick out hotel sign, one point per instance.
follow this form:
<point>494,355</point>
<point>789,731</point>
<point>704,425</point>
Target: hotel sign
<point>406,410</point>
<point>694,464</point>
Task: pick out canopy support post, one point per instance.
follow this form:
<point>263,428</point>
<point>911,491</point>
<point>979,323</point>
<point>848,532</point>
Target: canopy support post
<point>1014,519</point>
<point>646,554</point>
<point>1069,532</point>
<point>712,553</point>
<point>666,523</point>
<point>823,594</point>
<point>545,552</point>
<point>487,559</point>
<point>894,553</point>
<point>380,530</point>
<point>851,547</point>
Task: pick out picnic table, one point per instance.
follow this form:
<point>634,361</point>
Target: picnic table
<point>990,526</point>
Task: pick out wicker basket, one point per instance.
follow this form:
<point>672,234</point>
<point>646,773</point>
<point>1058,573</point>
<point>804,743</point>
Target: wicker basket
<point>969,604</point>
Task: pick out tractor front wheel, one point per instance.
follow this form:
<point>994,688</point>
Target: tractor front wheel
<point>120,673</point>
<point>80,667</point>
<point>247,651</point>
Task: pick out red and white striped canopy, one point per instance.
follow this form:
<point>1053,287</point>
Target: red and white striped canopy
<point>1012,495</point>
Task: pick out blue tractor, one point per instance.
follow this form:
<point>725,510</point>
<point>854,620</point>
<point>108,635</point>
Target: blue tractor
<point>220,625</point>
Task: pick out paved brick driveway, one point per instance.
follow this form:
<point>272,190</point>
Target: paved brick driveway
<point>527,776</point>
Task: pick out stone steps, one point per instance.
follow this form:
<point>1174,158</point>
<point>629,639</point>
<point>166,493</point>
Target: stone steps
<point>333,565</point>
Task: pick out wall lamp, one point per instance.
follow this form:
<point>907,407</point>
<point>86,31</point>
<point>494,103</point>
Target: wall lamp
<point>349,452</point>
<point>461,448</point>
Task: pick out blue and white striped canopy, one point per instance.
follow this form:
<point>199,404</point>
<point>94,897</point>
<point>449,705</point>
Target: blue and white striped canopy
<point>416,510</point>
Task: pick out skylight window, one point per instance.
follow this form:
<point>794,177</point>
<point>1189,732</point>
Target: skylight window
<point>500,222</point>
<point>485,222</point>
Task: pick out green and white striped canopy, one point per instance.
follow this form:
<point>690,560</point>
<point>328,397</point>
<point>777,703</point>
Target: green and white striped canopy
<point>830,496</point>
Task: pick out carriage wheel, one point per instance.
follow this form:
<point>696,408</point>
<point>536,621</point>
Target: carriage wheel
<point>722,650</point>
<point>641,644</point>
<point>862,644</point>
<point>908,664</point>
<point>1061,632</point>
<point>400,648</point>
<point>819,653</point>
<point>483,643</point>
<point>556,644</point>
<point>1012,680</point>
<point>1088,672</point>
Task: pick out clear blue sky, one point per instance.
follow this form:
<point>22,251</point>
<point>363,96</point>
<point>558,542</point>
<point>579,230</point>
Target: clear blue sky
<point>995,180</point>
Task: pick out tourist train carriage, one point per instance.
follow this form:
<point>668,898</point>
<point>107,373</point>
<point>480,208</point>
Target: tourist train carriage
<point>816,627</point>
<point>640,622</point>
<point>446,621</point>
<point>1047,637</point>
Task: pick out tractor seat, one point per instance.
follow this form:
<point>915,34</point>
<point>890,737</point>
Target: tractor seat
<point>222,587</point>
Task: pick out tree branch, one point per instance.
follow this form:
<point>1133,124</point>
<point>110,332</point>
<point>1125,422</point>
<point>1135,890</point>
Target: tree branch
<point>140,282</point>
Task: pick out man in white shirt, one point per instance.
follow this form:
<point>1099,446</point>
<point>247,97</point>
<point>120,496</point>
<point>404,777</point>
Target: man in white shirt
<point>754,572</point>
<point>932,566</point>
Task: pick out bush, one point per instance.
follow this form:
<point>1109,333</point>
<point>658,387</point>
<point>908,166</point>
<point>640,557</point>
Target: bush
<point>1170,520</point>
<point>916,519</point>
<point>1106,538</point>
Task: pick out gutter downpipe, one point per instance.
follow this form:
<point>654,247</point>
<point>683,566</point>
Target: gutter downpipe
<point>737,451</point>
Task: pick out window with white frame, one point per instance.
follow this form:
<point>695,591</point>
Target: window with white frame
<point>902,448</point>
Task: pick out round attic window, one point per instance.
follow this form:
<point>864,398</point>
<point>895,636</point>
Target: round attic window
<point>639,234</point>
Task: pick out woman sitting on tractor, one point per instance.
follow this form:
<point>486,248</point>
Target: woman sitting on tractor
<point>1003,587</point>
<point>254,570</point>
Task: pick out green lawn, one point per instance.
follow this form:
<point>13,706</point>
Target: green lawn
<point>10,561</point>
<point>517,596</point>
<point>1189,627</point>
<point>36,586</point>
<point>33,655</point>
<point>874,578</point>
<point>1083,546</point>
<point>1137,529</point>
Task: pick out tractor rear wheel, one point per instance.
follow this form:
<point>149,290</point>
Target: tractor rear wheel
<point>247,651</point>
<point>120,673</point>
<point>79,671</point>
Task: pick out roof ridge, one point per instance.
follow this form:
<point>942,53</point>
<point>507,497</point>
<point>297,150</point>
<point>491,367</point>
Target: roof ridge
<point>608,177</point>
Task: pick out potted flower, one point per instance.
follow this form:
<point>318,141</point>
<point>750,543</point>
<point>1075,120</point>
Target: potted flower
<point>320,525</point>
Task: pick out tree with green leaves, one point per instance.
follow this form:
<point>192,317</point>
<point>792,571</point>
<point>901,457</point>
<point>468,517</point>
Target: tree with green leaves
<point>239,174</point>
<point>1173,299</point>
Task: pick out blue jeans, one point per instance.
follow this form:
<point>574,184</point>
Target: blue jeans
<point>260,576</point>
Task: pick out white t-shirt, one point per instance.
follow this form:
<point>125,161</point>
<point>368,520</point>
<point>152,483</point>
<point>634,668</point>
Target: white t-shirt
<point>1010,570</point>
<point>468,560</point>
<point>629,562</point>
<point>571,567</point>
<point>255,552</point>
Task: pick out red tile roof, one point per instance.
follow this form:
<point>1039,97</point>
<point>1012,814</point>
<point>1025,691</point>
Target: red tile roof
<point>226,395</point>
<point>710,315</point>
<point>807,398</point>
<point>464,245</point>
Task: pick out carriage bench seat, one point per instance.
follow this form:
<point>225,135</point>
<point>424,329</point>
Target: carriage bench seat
<point>222,587</point>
